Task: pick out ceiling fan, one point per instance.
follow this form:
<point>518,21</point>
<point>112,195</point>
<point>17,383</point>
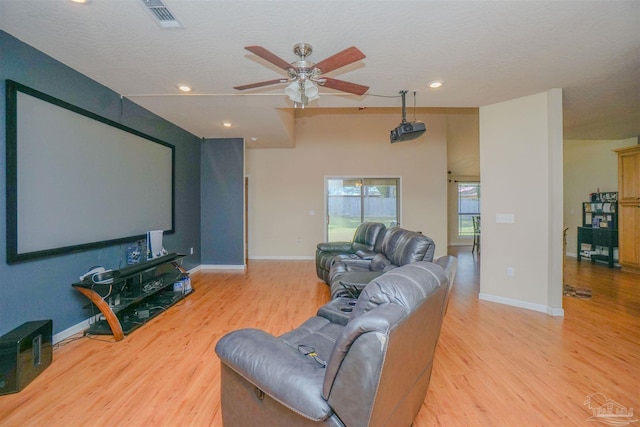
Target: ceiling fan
<point>305,75</point>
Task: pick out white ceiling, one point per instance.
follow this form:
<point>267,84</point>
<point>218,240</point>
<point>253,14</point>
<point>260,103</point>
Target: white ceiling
<point>484,51</point>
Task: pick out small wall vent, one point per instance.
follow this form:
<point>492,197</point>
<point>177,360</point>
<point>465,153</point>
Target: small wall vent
<point>161,13</point>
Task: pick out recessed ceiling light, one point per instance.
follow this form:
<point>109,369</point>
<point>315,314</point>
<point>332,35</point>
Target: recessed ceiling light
<point>226,124</point>
<point>81,1</point>
<point>434,84</point>
<point>184,88</point>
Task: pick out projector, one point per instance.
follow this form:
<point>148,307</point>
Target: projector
<point>407,131</point>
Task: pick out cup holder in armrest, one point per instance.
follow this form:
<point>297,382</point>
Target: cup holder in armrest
<point>346,309</point>
<point>352,303</point>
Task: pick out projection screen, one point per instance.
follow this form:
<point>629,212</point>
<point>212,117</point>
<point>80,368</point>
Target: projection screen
<point>76,180</point>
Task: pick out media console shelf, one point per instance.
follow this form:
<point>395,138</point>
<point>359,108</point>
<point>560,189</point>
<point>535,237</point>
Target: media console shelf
<point>129,297</point>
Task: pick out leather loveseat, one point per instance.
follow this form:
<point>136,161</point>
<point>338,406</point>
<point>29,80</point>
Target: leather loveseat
<point>370,368</point>
<point>363,245</point>
<point>348,276</point>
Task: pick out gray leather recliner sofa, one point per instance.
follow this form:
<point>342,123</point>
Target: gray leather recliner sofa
<point>367,236</point>
<point>348,276</point>
<point>371,367</point>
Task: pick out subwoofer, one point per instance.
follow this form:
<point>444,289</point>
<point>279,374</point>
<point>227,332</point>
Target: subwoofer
<point>25,352</point>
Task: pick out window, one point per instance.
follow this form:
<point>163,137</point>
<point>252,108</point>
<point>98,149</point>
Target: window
<point>352,201</point>
<point>468,206</point>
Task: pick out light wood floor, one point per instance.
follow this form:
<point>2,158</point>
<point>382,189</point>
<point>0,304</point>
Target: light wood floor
<point>495,365</point>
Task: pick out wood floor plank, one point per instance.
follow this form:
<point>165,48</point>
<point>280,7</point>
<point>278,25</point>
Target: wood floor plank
<point>495,364</point>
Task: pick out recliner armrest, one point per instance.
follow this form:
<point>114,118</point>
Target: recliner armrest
<point>337,310</point>
<point>365,254</point>
<point>343,247</point>
<point>277,369</point>
<point>356,264</point>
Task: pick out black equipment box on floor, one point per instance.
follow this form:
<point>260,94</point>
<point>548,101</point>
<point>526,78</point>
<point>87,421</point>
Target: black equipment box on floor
<point>25,352</point>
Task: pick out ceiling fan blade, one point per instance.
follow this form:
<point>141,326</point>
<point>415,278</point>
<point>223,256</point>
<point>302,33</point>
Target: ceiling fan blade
<point>268,56</point>
<point>343,86</point>
<point>260,84</point>
<point>340,59</point>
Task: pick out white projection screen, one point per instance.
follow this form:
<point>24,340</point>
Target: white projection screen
<point>76,180</point>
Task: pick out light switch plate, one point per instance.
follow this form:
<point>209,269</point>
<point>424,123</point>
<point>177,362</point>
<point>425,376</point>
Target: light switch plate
<point>505,218</point>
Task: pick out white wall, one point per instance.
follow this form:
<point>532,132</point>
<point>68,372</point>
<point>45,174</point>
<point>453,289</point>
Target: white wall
<point>286,185</point>
<point>521,167</point>
<point>589,165</point>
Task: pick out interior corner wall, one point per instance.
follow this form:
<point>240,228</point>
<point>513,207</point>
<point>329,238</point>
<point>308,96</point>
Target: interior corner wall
<point>222,201</point>
<point>42,289</point>
<point>589,165</point>
<point>521,168</point>
<point>286,186</point>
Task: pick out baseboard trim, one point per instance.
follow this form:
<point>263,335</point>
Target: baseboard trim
<point>63,335</point>
<point>222,267</point>
<point>558,312</point>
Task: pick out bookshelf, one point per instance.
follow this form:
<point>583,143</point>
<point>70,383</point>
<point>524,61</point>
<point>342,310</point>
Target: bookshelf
<point>598,235</point>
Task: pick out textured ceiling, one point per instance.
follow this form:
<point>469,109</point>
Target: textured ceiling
<point>484,51</point>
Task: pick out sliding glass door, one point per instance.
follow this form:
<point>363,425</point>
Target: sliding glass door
<point>352,201</point>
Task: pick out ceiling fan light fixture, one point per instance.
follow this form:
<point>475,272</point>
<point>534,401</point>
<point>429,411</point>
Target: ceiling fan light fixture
<point>301,92</point>
<point>293,92</point>
<point>310,90</point>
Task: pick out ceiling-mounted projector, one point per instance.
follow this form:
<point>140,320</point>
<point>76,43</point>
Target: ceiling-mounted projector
<point>406,131</point>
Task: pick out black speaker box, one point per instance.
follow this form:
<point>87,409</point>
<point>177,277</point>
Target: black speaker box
<point>25,352</point>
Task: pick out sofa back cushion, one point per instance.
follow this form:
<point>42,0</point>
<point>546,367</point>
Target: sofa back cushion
<point>407,287</point>
<point>402,246</point>
<point>366,236</point>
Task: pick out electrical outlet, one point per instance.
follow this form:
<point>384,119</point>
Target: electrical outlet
<point>299,241</point>
<point>190,251</point>
<point>511,271</point>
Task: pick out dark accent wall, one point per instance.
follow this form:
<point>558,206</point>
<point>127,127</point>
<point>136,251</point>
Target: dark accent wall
<point>222,195</point>
<point>42,289</point>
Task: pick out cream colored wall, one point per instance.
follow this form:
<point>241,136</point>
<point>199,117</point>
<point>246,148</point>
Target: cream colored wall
<point>589,165</point>
<point>521,166</point>
<point>286,186</point>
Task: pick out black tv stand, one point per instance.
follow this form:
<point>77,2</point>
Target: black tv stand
<point>136,294</point>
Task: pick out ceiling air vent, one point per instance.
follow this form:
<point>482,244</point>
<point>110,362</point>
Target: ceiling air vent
<point>161,13</point>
